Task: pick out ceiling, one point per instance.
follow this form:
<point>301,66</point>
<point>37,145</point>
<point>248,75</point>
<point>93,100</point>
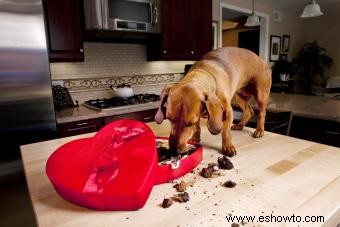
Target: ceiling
<point>232,15</point>
<point>296,4</point>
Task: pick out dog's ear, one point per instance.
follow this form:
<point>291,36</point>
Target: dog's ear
<point>161,112</point>
<point>215,113</point>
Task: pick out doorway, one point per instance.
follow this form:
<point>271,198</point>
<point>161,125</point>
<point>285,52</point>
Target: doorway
<point>232,31</point>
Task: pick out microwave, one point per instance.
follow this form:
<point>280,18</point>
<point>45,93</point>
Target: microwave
<point>123,15</point>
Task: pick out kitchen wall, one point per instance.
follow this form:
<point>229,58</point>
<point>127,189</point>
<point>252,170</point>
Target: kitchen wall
<point>325,30</point>
<point>291,23</point>
<point>113,64</point>
<point>113,60</point>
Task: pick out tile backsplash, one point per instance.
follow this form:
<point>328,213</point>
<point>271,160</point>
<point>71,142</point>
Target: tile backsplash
<point>103,60</point>
<point>108,64</point>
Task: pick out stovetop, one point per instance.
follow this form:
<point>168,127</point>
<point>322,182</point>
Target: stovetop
<point>104,104</point>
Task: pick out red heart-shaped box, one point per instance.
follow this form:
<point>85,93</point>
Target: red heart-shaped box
<point>114,170</point>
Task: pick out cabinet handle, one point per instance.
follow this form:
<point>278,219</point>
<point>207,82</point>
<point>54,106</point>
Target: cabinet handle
<point>192,52</point>
<point>81,124</point>
<point>331,132</point>
<point>164,51</point>
<point>81,50</point>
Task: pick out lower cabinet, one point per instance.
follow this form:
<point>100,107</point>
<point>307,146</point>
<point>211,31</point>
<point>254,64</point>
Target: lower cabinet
<point>93,125</point>
<point>79,127</point>
<point>316,130</point>
<point>277,122</point>
<point>144,116</point>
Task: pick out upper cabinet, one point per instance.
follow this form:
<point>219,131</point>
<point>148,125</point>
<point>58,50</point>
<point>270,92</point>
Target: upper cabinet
<point>63,28</point>
<point>186,31</point>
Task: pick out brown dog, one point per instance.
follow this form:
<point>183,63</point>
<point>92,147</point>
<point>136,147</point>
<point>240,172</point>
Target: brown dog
<point>207,90</point>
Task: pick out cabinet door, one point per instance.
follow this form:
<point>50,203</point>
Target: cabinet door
<point>79,127</point>
<point>200,35</point>
<point>317,130</point>
<point>175,26</point>
<point>63,28</point>
<point>144,116</point>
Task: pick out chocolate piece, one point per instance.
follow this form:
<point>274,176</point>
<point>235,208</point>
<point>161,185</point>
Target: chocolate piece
<point>181,197</point>
<point>235,225</point>
<point>225,163</point>
<point>229,184</point>
<point>167,203</point>
<point>207,172</point>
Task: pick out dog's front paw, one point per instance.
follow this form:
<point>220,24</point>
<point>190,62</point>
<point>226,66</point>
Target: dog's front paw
<point>229,150</point>
<point>258,133</point>
<point>237,127</point>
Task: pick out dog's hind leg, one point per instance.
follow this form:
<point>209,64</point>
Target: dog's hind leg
<point>248,112</point>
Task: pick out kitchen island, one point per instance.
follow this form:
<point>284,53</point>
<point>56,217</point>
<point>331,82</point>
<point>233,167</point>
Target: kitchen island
<point>276,176</point>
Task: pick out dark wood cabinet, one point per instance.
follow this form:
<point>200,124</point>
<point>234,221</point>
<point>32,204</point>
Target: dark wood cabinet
<point>317,130</point>
<point>144,116</point>
<point>186,31</point>
<point>63,28</point>
<point>93,125</point>
<point>79,127</point>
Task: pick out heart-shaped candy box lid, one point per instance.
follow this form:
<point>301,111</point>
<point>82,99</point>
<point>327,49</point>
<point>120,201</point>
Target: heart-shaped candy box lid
<point>114,170</point>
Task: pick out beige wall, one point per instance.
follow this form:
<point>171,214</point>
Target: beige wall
<point>326,30</point>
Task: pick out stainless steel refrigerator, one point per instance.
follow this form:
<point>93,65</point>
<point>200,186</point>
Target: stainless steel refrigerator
<point>26,104</point>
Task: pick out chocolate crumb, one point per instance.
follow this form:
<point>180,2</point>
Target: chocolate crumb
<point>243,223</point>
<point>224,163</point>
<point>229,184</point>
<point>166,203</point>
<point>181,197</point>
<point>235,225</point>
<point>181,187</point>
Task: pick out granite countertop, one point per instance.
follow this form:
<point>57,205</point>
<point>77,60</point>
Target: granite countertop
<point>307,106</point>
<point>84,113</point>
<point>301,105</point>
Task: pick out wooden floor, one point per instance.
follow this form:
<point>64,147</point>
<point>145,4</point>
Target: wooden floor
<point>15,204</point>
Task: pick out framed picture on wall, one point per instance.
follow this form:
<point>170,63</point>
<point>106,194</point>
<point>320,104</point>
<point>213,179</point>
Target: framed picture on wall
<point>215,34</point>
<point>285,43</point>
<point>275,44</point>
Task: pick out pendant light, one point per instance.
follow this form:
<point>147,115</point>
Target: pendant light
<point>252,20</point>
<point>312,9</point>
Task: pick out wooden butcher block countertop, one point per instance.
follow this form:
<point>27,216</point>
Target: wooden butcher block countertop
<point>276,176</point>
